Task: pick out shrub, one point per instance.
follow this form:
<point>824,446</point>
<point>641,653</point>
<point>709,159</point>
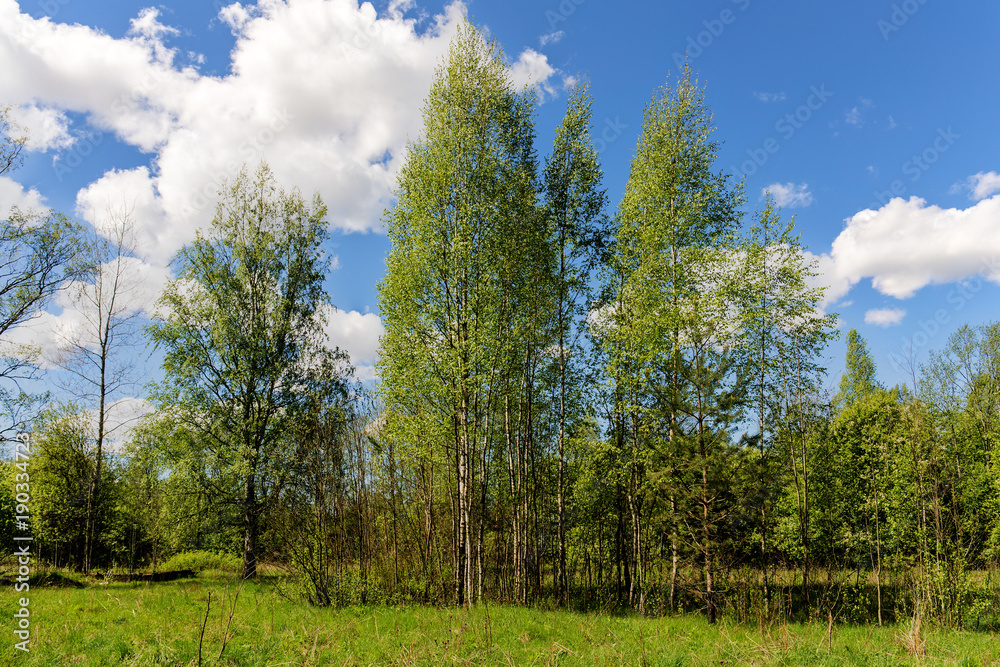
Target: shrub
<point>202,560</point>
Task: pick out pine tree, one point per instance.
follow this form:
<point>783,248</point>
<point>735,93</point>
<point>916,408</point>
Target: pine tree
<point>669,267</point>
<point>859,380</point>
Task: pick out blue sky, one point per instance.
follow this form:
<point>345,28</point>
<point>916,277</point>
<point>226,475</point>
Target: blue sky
<point>873,121</point>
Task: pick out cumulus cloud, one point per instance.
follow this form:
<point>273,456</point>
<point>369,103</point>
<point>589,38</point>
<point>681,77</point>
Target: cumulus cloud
<point>236,16</point>
<point>533,68</point>
<point>885,317</point>
<point>980,186</point>
<point>909,244</point>
<point>45,128</point>
<point>358,334</point>
<point>147,25</point>
<point>326,90</point>
<point>13,194</point>
<point>789,194</point>
<point>133,192</point>
<point>835,286</point>
<point>53,334</point>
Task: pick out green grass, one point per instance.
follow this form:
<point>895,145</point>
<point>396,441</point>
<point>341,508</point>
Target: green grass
<point>159,624</point>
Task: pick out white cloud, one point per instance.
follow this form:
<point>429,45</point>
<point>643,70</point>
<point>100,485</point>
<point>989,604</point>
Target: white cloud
<point>358,334</point>
<point>326,90</point>
<point>533,68</point>
<point>236,16</point>
<point>980,186</point>
<point>45,128</point>
<point>52,334</point>
<point>146,25</point>
<point>907,245</point>
<point>13,194</point>
<point>789,194</point>
<point>134,191</point>
<point>551,38</point>
<point>885,317</point>
<point>770,97</point>
<point>836,286</point>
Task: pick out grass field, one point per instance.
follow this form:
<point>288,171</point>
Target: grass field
<point>160,624</point>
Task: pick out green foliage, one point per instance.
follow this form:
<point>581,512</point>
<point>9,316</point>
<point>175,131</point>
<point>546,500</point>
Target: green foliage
<point>8,505</point>
<point>859,380</point>
<point>40,251</point>
<point>62,466</point>
<point>662,444</point>
<point>667,299</point>
<point>467,289</point>
<point>241,333</point>
<point>315,526</point>
<point>202,560</point>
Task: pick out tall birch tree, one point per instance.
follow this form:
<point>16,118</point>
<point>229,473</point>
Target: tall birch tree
<point>461,276</point>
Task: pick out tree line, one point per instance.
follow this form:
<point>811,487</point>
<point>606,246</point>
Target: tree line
<point>575,406</point>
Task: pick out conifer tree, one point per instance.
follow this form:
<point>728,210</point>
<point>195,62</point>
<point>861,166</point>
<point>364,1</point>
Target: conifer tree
<point>669,267</point>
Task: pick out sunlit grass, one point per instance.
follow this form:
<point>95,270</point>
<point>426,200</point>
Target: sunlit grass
<point>160,624</point>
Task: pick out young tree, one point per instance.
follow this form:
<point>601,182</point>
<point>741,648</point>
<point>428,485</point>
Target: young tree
<point>782,336</point>
<point>705,405</point>
<point>62,468</point>
<point>315,518</point>
<point>670,266</point>
<point>859,380</point>
<point>466,245</point>
<point>240,327</point>
<point>95,354</point>
<point>574,204</point>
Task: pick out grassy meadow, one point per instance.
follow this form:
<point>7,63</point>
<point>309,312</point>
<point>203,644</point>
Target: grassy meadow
<point>96,623</point>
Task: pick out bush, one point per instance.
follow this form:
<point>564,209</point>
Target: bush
<point>203,560</point>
